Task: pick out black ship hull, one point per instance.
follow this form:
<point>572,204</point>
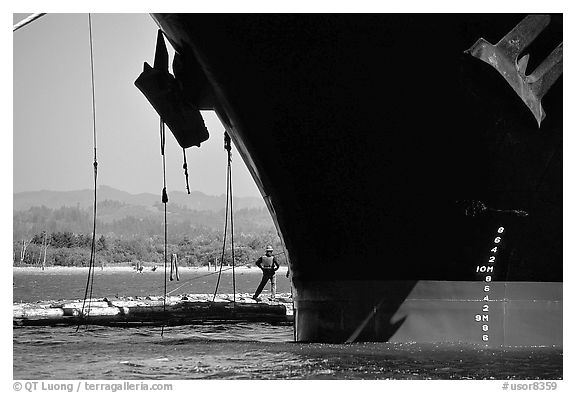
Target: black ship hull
<point>393,164</point>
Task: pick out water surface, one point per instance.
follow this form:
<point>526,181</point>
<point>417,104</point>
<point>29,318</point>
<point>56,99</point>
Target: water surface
<point>234,351</point>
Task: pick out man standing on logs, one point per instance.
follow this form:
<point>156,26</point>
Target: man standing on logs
<point>269,265</point>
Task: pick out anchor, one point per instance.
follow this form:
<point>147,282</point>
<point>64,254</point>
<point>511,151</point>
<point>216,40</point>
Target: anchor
<point>504,58</point>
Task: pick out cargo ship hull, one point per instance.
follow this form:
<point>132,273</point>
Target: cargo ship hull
<point>393,164</point>
<point>517,313</point>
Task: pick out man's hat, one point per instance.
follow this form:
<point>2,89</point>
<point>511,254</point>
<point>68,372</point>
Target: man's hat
<point>269,248</point>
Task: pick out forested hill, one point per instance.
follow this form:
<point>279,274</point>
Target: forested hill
<point>132,214</point>
<point>196,200</point>
<point>56,228</point>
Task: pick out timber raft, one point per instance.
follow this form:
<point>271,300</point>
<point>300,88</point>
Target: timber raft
<point>189,309</point>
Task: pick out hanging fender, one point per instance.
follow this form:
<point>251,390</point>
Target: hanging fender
<point>163,91</point>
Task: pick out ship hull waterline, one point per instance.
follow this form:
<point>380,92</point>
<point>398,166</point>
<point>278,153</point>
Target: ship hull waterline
<point>518,314</point>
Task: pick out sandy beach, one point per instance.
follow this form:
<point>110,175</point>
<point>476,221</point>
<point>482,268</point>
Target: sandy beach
<point>147,269</point>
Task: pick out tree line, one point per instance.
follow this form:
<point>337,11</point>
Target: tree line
<point>63,237</point>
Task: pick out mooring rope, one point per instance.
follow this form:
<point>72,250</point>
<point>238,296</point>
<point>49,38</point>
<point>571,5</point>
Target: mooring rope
<point>90,279</point>
<point>185,167</point>
<point>228,148</point>
<point>225,233</point>
<point>165,202</point>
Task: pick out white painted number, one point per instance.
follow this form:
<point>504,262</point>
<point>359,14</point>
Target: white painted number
<point>487,269</point>
<point>484,269</point>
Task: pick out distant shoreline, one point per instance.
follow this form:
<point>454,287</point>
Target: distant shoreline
<point>130,269</point>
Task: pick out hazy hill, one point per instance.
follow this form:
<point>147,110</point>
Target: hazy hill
<point>132,227</point>
<point>121,213</point>
<point>84,198</point>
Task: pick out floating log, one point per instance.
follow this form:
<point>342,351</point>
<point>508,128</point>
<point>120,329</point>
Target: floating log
<point>78,305</point>
<point>95,311</point>
<point>181,310</point>
<point>38,313</point>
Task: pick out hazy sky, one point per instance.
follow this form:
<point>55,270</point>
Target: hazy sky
<point>52,132</point>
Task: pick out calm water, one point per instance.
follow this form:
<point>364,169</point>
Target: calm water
<point>35,285</point>
<point>235,351</point>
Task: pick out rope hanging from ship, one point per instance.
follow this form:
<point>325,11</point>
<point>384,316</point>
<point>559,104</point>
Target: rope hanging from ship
<point>228,148</point>
<point>165,202</point>
<point>229,208</point>
<point>185,167</point>
<point>90,280</point>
